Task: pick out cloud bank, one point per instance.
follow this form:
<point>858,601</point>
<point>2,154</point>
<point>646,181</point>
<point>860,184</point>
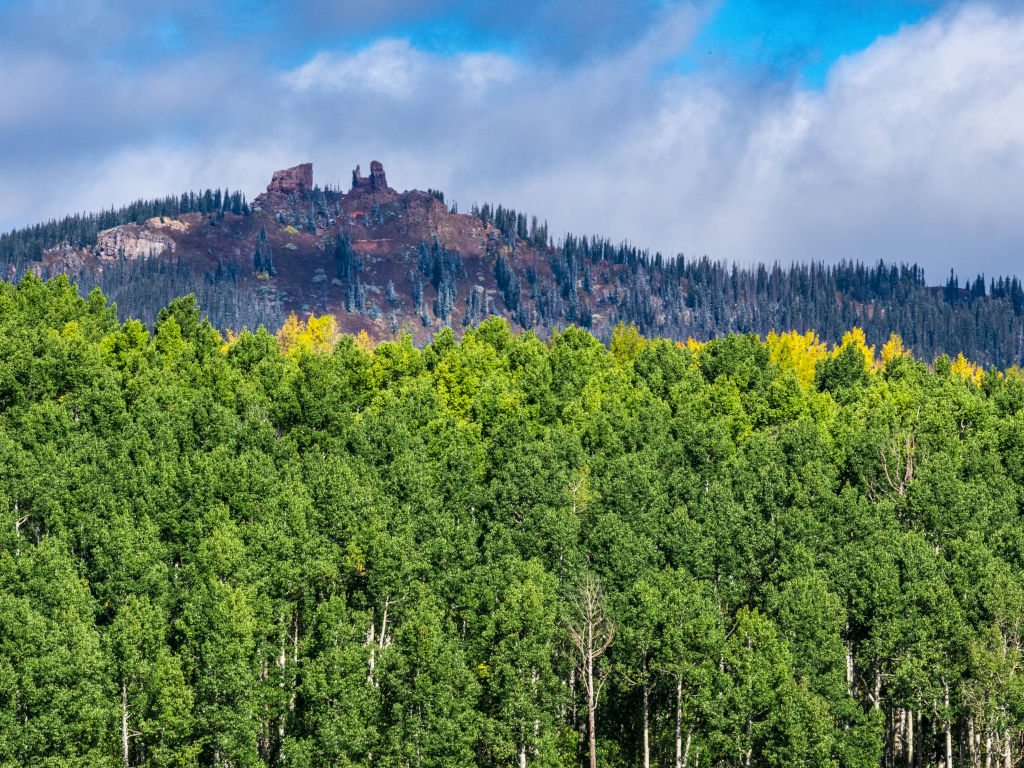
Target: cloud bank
<point>913,150</point>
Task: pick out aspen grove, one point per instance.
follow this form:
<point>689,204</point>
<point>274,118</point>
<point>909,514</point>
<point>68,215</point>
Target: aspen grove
<point>306,550</point>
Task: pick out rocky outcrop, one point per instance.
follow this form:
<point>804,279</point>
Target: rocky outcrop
<point>292,181</point>
<point>377,181</point>
<point>162,222</point>
<point>132,242</point>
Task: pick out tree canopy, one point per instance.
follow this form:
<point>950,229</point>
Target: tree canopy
<point>310,551</point>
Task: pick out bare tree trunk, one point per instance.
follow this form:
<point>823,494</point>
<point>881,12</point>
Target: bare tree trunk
<point>910,738</point>
<point>849,664</point>
<point>295,663</point>
<point>281,661</point>
<point>591,634</point>
<point>949,724</point>
<point>591,713</point>
<point>922,743</point>
<point>988,749</point>
<point>1007,753</point>
<point>679,722</point>
<point>592,708</point>
<point>647,732</point>
<point>124,724</point>
<point>897,736</point>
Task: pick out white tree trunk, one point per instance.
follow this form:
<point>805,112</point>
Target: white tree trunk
<point>124,724</point>
<point>591,714</point>
<point>679,723</point>
<point>949,724</point>
<point>647,733</point>
<point>909,738</point>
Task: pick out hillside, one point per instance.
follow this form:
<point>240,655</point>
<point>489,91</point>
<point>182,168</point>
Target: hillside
<point>404,262</point>
<point>499,551</point>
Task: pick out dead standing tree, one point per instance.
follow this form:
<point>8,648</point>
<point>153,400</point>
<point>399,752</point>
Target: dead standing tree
<point>591,632</point>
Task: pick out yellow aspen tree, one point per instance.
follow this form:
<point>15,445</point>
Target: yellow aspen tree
<point>856,337</point>
<point>966,370</point>
<point>321,333</point>
<point>626,343</point>
<point>363,341</point>
<point>797,352</point>
<point>289,334</point>
<point>893,349</point>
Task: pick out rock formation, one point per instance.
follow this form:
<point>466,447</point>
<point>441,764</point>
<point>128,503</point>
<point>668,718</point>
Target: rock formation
<point>163,222</point>
<point>292,181</point>
<point>132,242</point>
<point>376,182</point>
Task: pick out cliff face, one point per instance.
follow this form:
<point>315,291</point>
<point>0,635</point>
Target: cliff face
<point>131,241</point>
<point>391,262</point>
<point>377,259</point>
<point>292,181</point>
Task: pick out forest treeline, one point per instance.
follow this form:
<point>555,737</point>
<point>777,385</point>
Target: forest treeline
<point>544,284</point>
<point>305,550</point>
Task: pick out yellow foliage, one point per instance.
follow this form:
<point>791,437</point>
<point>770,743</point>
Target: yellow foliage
<point>230,337</point>
<point>363,341</point>
<point>318,334</point>
<point>966,370</point>
<point>856,337</point>
<point>290,230</point>
<point>322,331</point>
<point>893,349</point>
<point>796,352</point>
<point>288,335</point>
<point>626,343</point>
<point>691,344</point>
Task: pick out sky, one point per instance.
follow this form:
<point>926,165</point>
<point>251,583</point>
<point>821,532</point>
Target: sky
<point>746,130</point>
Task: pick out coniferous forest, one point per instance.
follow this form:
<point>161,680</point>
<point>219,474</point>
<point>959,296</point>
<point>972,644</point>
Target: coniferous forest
<point>305,550</point>
<point>538,283</point>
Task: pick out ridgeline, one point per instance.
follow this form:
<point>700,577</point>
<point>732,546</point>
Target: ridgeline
<point>391,262</point>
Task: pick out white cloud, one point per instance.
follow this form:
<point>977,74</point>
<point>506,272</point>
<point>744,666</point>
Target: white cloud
<point>388,67</point>
<point>913,149</point>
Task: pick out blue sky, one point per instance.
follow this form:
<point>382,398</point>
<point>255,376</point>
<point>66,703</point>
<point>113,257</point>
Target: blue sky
<point>744,129</point>
<point>800,38</point>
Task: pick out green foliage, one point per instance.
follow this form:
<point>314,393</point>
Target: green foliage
<point>217,553</point>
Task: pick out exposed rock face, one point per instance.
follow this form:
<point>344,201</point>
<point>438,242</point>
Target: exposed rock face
<point>162,222</point>
<point>376,182</point>
<point>292,181</point>
<point>131,241</point>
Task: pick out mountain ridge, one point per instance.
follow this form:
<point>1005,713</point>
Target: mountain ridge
<point>389,262</point>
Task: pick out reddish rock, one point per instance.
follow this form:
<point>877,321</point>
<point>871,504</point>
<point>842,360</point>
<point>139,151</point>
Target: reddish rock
<point>292,181</point>
<point>376,182</point>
